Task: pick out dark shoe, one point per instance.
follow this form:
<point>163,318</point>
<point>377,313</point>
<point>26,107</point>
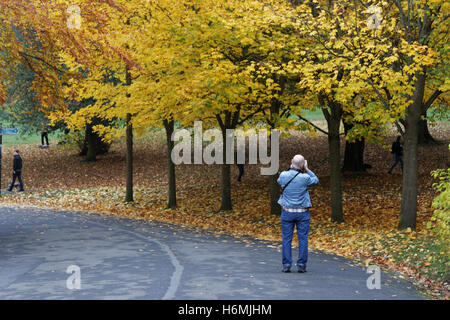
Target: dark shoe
<point>286,270</point>
<point>22,190</point>
<point>301,269</point>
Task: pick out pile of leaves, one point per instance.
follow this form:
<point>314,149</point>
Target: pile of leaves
<point>371,200</point>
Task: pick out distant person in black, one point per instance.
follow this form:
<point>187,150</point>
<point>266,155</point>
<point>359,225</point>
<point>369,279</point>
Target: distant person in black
<point>241,171</point>
<point>397,150</point>
<point>44,134</point>
<point>17,171</point>
<point>239,165</point>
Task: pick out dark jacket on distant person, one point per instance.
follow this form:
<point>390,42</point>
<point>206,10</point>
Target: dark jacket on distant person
<point>397,148</point>
<point>17,167</point>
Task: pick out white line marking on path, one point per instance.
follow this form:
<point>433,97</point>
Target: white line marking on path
<point>176,276</point>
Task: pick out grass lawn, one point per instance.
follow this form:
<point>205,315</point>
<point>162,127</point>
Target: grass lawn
<point>22,139</point>
<point>25,138</point>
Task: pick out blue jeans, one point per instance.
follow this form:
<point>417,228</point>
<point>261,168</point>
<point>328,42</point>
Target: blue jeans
<point>288,221</point>
<point>397,160</point>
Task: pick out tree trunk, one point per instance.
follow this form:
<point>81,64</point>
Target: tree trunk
<point>129,140</point>
<point>354,156</point>
<point>335,173</point>
<point>92,140</point>
<point>408,211</point>
<point>354,153</point>
<point>424,136</point>
<point>129,160</point>
<point>334,121</point>
<point>274,190</point>
<point>226,204</point>
<point>91,143</point>
<point>274,187</point>
<point>172,193</point>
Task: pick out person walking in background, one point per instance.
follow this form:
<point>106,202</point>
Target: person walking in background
<point>241,171</point>
<point>17,171</point>
<point>44,134</point>
<point>239,165</point>
<point>295,202</point>
<point>397,150</point>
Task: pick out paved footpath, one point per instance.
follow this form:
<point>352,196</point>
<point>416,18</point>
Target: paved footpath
<point>132,259</point>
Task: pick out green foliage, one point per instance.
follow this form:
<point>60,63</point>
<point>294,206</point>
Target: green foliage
<point>22,110</point>
<point>440,221</point>
<point>75,139</point>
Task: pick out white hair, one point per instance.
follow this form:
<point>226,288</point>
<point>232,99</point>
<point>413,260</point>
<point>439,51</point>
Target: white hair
<point>298,161</point>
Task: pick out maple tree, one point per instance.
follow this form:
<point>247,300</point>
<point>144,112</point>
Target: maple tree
<point>231,62</point>
<point>76,48</point>
<point>34,35</point>
<point>241,77</point>
<point>222,78</point>
<point>354,58</point>
<point>20,108</point>
<point>419,23</point>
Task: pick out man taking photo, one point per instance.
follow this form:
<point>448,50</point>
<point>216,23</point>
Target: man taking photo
<point>295,202</point>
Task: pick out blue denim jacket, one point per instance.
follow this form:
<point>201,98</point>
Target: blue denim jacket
<point>296,195</point>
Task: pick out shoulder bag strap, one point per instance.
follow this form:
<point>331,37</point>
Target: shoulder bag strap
<point>282,190</point>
